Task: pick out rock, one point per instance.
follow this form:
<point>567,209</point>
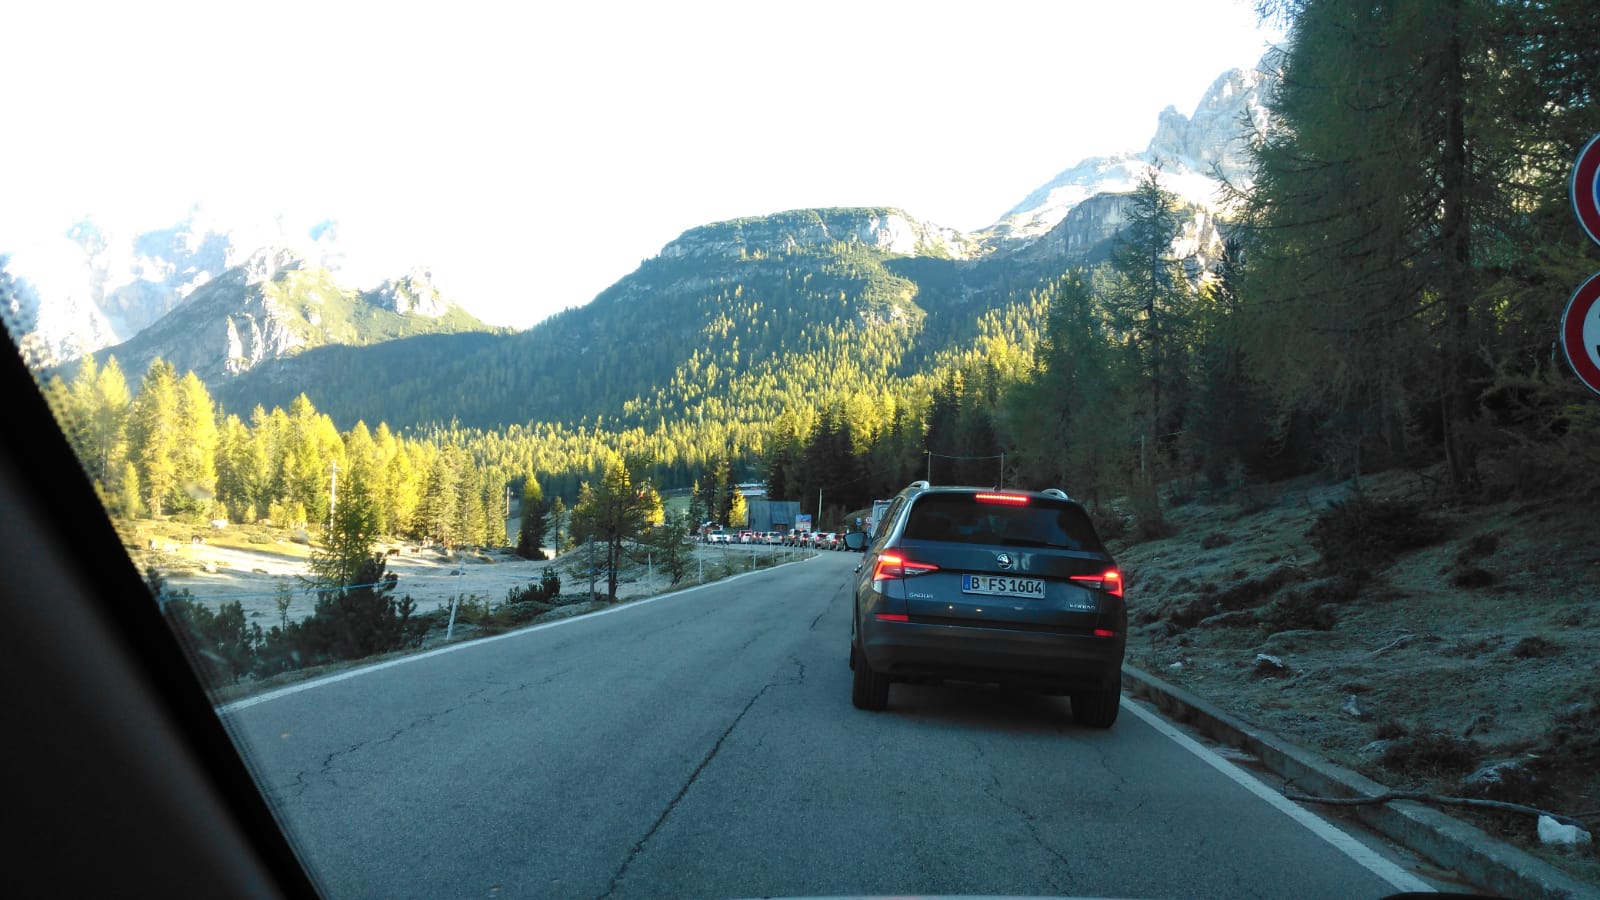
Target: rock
<point>1239,618</point>
<point>1270,665</point>
<point>1506,779</point>
<point>1553,832</point>
<point>1491,773</point>
<point>1376,748</point>
<point>1352,707</point>
<point>1175,666</point>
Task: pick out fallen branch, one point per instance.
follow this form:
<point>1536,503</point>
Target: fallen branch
<point>1421,797</point>
<point>1398,642</point>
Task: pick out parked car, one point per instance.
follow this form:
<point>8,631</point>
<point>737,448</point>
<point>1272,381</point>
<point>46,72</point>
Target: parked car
<point>1007,587</point>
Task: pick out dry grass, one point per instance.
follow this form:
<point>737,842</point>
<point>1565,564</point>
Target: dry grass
<point>1466,650</point>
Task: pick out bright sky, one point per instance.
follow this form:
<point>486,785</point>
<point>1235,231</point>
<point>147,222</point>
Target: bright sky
<point>534,153</point>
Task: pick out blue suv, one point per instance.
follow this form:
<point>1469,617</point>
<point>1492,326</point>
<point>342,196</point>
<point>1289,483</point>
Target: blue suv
<point>994,586</point>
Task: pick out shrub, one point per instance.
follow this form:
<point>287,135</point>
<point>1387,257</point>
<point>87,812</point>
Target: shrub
<point>1430,753</point>
<point>1298,610</point>
<point>1389,730</point>
<point>1256,591</point>
<point>1360,534</point>
<point>1110,525</point>
<point>1477,547</point>
<point>1246,594</point>
<point>546,590</point>
<point>1535,647</point>
<point>1473,577</point>
<point>1149,522</point>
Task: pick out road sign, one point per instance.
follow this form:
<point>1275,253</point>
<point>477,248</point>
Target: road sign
<point>1585,188</point>
<point>1580,332</point>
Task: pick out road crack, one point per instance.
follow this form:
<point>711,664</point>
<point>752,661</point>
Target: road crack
<point>683,790</point>
<point>1029,821</point>
<point>837,594</point>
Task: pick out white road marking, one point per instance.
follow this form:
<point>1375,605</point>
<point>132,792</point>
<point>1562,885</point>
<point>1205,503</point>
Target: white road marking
<point>1361,853</point>
<point>476,642</point>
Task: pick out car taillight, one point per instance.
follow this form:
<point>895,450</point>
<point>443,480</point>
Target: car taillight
<point>1008,499</point>
<point>893,565</point>
<point>1109,581</point>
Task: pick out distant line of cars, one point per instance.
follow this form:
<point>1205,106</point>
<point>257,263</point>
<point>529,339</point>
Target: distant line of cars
<point>812,540</point>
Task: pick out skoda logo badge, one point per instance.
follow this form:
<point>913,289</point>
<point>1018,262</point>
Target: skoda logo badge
<point>1003,560</point>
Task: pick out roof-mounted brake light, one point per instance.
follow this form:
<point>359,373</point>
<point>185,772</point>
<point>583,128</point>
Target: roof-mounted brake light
<point>1008,499</point>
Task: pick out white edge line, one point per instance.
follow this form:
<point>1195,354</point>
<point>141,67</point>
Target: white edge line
<point>248,702</point>
<point>1374,862</point>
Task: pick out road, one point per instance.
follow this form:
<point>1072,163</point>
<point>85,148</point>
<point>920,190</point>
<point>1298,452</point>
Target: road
<point>703,745</point>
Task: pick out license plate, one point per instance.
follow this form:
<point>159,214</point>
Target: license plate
<point>1003,586</point>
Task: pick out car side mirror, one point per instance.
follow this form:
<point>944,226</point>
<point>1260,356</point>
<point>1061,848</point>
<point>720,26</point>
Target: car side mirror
<point>855,540</point>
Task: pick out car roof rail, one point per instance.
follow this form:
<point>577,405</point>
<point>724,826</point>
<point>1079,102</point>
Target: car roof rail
<point>1055,492</point>
<point>920,484</point>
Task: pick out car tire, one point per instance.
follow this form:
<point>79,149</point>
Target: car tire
<point>1098,709</point>
<point>869,690</point>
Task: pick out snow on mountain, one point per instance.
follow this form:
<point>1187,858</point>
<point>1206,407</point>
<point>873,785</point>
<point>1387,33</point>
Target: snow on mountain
<point>1195,155</point>
<point>97,286</point>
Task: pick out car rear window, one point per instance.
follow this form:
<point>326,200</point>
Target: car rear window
<point>1042,522</point>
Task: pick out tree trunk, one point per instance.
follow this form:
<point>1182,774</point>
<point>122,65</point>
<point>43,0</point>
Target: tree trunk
<point>1456,237</point>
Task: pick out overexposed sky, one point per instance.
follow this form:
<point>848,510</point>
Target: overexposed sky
<point>532,153</point>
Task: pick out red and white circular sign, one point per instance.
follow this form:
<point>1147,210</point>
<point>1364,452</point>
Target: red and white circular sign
<point>1586,188</point>
<point>1580,332</point>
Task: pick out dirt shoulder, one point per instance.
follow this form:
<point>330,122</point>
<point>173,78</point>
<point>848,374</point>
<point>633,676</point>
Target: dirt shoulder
<point>1468,665</point>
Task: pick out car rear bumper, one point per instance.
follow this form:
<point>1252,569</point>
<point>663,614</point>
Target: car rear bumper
<point>916,651</point>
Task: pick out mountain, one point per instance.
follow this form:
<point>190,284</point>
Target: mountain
<point>92,287</point>
<point>732,320</point>
<point>1196,155</point>
<point>736,320</point>
<point>277,304</point>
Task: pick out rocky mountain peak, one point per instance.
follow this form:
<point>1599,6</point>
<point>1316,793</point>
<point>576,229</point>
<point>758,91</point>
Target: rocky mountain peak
<point>1215,141</point>
<point>267,263</point>
<point>412,294</point>
<point>1194,154</point>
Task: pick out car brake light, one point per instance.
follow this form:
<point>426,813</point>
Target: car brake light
<point>1009,499</point>
<point>893,617</point>
<point>1109,581</point>
<point>893,565</point>
<point>1104,632</point>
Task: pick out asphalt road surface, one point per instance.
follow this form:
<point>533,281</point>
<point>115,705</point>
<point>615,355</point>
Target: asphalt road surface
<point>703,745</point>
